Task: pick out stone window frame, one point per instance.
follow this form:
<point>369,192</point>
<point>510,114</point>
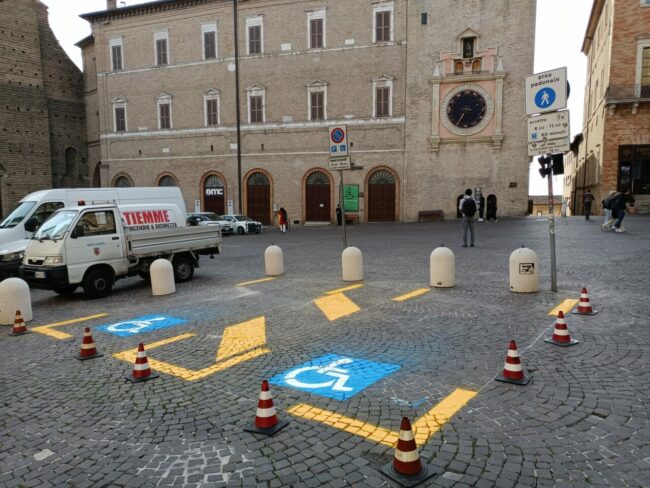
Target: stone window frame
<point>256,91</point>
<point>383,7</point>
<point>211,94</point>
<point>317,86</point>
<point>257,21</point>
<point>161,36</point>
<point>318,14</point>
<point>122,176</point>
<point>120,103</point>
<point>116,42</point>
<point>164,99</point>
<point>382,81</point>
<point>642,43</point>
<point>205,29</point>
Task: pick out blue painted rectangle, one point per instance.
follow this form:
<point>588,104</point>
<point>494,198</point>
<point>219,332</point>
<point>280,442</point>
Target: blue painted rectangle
<point>140,325</point>
<point>333,376</point>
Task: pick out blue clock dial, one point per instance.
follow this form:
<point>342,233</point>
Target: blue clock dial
<point>466,109</point>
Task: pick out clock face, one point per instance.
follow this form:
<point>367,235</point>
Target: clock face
<point>466,109</point>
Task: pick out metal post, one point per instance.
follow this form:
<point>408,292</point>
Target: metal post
<point>551,227</point>
<point>342,204</point>
<point>237,108</point>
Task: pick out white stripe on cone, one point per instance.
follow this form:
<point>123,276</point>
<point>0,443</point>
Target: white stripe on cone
<point>140,367</point>
<point>513,367</point>
<point>88,346</point>
<point>561,332</point>
<point>142,354</point>
<point>406,435</point>
<point>266,412</point>
<point>265,395</point>
<point>407,457</point>
<point>513,353</point>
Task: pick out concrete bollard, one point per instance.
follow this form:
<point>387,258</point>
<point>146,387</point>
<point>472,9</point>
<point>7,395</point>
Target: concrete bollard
<point>524,271</point>
<point>14,295</point>
<point>442,273</point>
<point>352,263</point>
<point>162,277</point>
<point>273,261</point>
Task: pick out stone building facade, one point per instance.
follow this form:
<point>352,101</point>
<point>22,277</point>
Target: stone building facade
<point>42,119</point>
<point>431,93</point>
<point>614,153</point>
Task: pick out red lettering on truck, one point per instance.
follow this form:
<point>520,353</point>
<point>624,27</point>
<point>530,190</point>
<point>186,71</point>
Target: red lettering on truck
<point>146,217</point>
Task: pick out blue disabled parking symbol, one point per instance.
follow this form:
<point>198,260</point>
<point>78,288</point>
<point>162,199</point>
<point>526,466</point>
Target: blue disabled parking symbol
<point>146,323</point>
<point>333,376</point>
<point>545,97</point>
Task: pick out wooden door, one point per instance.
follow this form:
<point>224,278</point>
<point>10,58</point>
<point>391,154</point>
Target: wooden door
<point>214,198</point>
<point>381,197</point>
<point>258,198</point>
<point>317,194</point>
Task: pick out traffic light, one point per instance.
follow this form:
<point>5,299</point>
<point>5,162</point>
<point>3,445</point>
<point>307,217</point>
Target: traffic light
<point>546,164</point>
<point>558,164</point>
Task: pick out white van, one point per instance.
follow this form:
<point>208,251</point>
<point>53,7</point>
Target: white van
<point>30,213</point>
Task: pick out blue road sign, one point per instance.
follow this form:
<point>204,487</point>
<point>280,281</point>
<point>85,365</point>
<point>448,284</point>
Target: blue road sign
<point>545,97</point>
<point>139,325</point>
<point>333,376</point>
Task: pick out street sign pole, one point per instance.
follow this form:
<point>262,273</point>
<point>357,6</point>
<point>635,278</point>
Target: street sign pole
<point>551,229</point>
<point>342,204</point>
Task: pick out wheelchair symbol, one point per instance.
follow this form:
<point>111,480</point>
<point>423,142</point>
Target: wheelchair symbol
<point>134,326</point>
<point>339,375</point>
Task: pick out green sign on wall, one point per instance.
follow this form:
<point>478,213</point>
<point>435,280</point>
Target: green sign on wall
<point>351,198</point>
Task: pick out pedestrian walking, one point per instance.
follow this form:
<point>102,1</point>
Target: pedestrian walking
<point>467,208</point>
<point>587,200</point>
<point>480,202</point>
<point>618,210</point>
<point>608,221</point>
<point>283,217</point>
<point>339,214</point>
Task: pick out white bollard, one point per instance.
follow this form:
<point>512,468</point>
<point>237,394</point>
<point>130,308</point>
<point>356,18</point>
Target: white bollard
<point>524,271</point>
<point>162,277</point>
<point>352,263</point>
<point>442,272</point>
<point>14,295</point>
<point>273,261</point>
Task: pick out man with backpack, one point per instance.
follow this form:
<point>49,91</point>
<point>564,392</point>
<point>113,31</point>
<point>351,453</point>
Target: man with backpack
<point>467,209</point>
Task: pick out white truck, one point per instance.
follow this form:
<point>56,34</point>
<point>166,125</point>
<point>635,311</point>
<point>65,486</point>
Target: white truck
<point>93,246</point>
<point>19,226</point>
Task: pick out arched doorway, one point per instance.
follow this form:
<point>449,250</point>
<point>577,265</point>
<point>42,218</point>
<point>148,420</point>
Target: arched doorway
<point>381,196</point>
<point>492,207</point>
<point>317,197</point>
<point>458,199</point>
<point>258,197</point>
<point>97,180</point>
<point>214,195</point>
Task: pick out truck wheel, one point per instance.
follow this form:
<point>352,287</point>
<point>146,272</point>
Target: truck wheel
<point>98,283</point>
<point>183,269</point>
<point>65,289</point>
<point>240,230</point>
<point>145,276</point>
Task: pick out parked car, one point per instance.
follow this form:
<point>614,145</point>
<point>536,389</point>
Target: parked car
<point>242,224</point>
<point>210,218</point>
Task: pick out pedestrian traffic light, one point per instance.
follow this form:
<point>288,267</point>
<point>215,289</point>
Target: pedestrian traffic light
<point>545,163</point>
<point>558,164</point>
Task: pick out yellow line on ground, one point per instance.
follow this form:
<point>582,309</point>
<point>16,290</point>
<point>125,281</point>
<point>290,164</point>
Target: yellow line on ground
<point>566,306</point>
<point>413,294</point>
<point>424,427</point>
<point>242,337</point>
<point>336,306</point>
<point>261,280</point>
<point>341,290</point>
<point>49,331</point>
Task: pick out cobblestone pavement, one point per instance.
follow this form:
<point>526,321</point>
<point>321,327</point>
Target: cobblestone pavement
<point>582,421</point>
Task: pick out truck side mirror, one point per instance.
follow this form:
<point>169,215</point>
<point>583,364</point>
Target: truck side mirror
<point>31,224</point>
<point>78,231</point>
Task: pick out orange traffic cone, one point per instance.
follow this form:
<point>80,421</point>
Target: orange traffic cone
<point>406,468</point>
<point>88,349</point>
<point>141,369</point>
<point>513,371</point>
<point>584,306</point>
<point>561,335</point>
<point>19,325</point>
<point>266,418</point>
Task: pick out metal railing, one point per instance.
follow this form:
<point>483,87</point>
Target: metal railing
<point>628,93</point>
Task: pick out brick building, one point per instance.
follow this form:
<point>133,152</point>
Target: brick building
<point>614,153</point>
<point>426,118</point>
<point>42,118</point>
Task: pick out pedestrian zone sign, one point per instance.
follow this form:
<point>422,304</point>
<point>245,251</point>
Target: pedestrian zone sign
<point>546,92</point>
<point>333,376</point>
<point>146,323</point>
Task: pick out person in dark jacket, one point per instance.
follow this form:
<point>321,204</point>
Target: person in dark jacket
<point>587,200</point>
<point>618,210</point>
<point>468,209</point>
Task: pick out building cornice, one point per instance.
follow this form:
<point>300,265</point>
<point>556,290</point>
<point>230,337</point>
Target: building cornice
<point>596,11</point>
<point>142,9</point>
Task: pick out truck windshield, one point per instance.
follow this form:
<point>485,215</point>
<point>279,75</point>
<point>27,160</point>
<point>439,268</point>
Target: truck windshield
<point>18,215</point>
<point>54,228</point>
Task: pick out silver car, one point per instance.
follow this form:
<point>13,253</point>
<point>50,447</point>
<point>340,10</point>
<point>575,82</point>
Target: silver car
<point>210,218</point>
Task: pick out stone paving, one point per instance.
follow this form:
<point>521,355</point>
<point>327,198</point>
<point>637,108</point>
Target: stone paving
<point>582,421</point>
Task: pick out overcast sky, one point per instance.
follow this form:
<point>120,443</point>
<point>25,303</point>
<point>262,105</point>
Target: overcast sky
<point>560,30</point>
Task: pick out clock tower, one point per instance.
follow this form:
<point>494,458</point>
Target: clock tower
<point>466,123</point>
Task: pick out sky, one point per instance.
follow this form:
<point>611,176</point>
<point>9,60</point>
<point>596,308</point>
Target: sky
<point>559,34</point>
